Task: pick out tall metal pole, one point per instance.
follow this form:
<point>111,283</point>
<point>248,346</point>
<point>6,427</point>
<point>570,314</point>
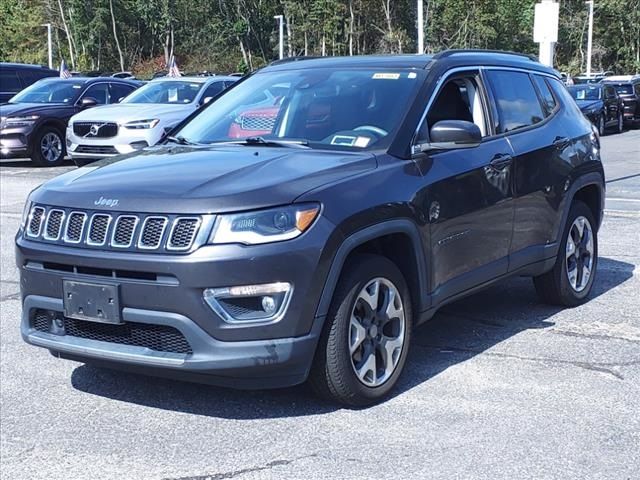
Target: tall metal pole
<point>420,26</point>
<point>49,44</point>
<point>590,37</point>
<point>280,19</point>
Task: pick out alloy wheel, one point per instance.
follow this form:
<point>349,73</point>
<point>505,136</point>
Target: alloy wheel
<point>51,147</point>
<point>376,332</point>
<point>579,253</point>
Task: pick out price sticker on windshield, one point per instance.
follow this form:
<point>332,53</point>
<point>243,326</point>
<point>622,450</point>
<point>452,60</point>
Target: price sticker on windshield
<point>386,76</point>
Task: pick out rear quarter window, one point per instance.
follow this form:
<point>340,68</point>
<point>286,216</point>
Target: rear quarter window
<point>516,100</point>
<point>546,96</point>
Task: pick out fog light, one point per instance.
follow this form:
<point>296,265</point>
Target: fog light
<point>250,303</point>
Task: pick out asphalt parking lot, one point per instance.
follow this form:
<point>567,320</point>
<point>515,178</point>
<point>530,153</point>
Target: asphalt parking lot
<point>497,386</point>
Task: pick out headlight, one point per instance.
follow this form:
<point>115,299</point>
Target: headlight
<point>142,124</point>
<point>27,121</point>
<point>264,226</point>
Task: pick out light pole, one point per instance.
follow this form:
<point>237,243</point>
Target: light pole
<point>590,37</point>
<point>420,27</point>
<point>49,45</point>
<point>280,19</point>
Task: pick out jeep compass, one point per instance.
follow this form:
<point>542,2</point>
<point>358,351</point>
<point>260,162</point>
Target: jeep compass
<point>382,188</point>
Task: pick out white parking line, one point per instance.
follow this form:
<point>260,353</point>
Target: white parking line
<point>615,199</point>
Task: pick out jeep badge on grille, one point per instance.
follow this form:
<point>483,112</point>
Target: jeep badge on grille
<point>106,202</point>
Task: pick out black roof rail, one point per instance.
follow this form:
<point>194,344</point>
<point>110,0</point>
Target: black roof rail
<point>294,59</point>
<point>456,51</point>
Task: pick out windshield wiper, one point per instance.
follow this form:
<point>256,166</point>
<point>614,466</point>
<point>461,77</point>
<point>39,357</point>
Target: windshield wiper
<point>251,141</point>
<point>180,140</point>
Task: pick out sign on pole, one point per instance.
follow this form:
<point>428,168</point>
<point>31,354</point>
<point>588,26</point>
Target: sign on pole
<point>545,28</point>
<point>545,23</point>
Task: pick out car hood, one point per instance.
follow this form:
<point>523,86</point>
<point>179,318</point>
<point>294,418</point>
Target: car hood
<point>126,112</point>
<point>14,109</point>
<point>183,179</point>
<point>589,104</point>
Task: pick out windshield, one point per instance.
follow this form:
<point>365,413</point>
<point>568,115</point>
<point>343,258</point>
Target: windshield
<point>624,89</point>
<point>165,91</point>
<point>322,107</point>
<point>585,92</point>
<point>58,91</point>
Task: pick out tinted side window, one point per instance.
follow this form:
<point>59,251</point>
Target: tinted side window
<point>637,88</point>
<point>119,91</point>
<point>609,92</point>
<point>545,94</point>
<point>516,100</point>
<point>563,95</point>
<point>9,81</point>
<point>213,90</point>
<point>99,92</point>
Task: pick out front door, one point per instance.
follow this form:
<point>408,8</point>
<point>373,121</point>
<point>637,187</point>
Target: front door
<point>470,205</point>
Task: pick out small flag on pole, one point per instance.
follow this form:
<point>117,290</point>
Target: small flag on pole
<point>64,71</point>
<point>173,68</point>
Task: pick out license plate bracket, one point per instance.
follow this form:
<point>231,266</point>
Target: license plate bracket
<point>94,302</point>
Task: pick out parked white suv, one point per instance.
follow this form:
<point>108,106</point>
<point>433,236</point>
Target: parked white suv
<point>140,119</point>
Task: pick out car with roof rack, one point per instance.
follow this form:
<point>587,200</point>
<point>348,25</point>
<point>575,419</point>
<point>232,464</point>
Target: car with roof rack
<point>386,188</point>
<point>141,119</point>
<point>33,122</point>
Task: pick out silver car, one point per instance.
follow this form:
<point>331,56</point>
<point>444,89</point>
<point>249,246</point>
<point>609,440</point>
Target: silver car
<point>141,119</point>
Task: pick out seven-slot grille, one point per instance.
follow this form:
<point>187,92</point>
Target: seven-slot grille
<point>114,231</point>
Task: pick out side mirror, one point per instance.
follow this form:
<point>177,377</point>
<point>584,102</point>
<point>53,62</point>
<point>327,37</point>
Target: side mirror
<point>448,134</point>
<point>88,102</point>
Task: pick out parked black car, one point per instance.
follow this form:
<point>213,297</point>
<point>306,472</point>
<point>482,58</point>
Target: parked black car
<point>601,104</point>
<point>385,188</point>
<point>628,87</point>
<point>33,123</point>
<point>17,76</point>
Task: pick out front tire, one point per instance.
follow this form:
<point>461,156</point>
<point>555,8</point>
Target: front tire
<point>365,340</point>
<point>571,279</point>
<point>48,149</point>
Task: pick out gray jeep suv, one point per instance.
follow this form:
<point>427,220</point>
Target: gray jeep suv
<point>275,239</point>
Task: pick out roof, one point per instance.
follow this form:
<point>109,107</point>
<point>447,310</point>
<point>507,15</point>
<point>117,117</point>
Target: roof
<point>415,61</point>
<point>194,79</point>
<point>621,78</point>
<point>25,65</point>
<point>91,79</point>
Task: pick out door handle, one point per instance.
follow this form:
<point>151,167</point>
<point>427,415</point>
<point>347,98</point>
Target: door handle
<point>501,161</point>
<point>561,143</point>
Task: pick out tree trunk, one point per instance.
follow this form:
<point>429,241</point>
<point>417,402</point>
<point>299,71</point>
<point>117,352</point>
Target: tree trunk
<point>68,34</point>
<point>115,35</point>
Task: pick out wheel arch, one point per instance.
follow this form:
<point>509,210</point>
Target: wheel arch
<point>392,239</point>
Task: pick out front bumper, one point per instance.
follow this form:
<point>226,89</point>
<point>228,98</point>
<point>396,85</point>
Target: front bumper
<point>15,142</point>
<point>245,364</point>
<point>256,355</point>
<point>126,141</point>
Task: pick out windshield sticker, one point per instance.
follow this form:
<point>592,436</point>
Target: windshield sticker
<point>386,76</point>
<point>343,140</point>
<point>412,75</point>
<point>362,142</point>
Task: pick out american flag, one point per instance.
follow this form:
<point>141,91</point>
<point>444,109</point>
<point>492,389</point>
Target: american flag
<point>173,68</point>
<point>64,71</point>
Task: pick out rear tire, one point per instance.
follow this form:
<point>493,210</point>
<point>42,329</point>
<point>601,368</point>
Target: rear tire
<point>48,149</point>
<point>362,350</point>
<point>571,279</point>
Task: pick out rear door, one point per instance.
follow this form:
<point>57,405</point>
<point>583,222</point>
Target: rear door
<point>469,203</point>
<point>610,103</point>
<point>528,117</point>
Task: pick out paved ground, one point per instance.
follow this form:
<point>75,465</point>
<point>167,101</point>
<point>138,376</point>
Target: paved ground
<point>497,386</point>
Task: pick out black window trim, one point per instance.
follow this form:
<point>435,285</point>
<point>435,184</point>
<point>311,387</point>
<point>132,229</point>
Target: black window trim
<point>492,109</point>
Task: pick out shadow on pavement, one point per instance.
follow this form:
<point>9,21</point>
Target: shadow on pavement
<point>457,333</point>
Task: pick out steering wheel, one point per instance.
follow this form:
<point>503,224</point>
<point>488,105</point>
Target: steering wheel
<point>370,128</point>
